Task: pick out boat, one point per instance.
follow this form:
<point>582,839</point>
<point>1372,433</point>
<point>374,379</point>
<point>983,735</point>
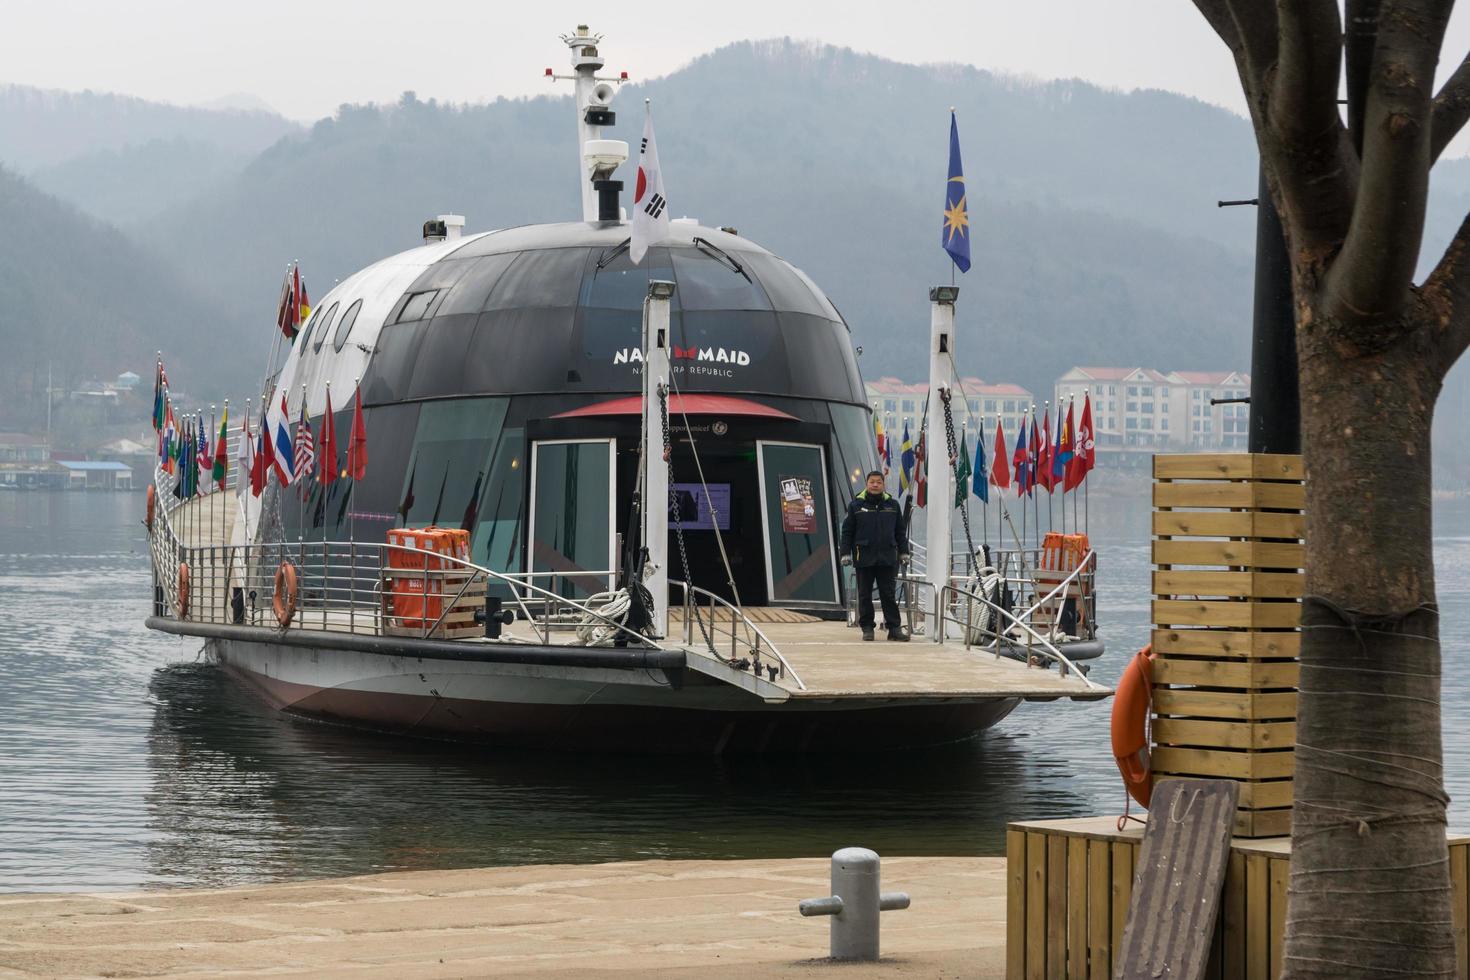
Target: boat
<point>504,569</point>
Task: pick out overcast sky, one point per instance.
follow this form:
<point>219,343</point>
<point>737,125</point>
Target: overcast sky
<point>305,57</point>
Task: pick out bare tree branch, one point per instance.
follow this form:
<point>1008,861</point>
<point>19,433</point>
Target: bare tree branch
<point>1302,110</point>
<point>1362,38</point>
<point>1451,109</point>
<point>1368,285</point>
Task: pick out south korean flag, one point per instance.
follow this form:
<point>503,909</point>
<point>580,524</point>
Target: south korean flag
<point>650,205</point>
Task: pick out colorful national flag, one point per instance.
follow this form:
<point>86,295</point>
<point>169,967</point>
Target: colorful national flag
<point>962,471</point>
<point>205,458</point>
<point>1062,454</point>
<point>288,309</point>
<point>1043,459</point>
<point>303,305</point>
<point>981,483</point>
<point>1033,456</point>
<point>650,204</point>
<point>881,441</point>
<point>1018,458</point>
<point>160,397</point>
<point>305,461</point>
<point>357,449</point>
<point>1000,473</point>
<point>905,459</point>
<point>955,234</point>
<point>921,470</point>
<point>283,454</point>
<point>264,461</point>
<point>1084,453</point>
<point>222,450</point>
<point>245,456</point>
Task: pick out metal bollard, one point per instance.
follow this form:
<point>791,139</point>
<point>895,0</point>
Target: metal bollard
<point>854,904</point>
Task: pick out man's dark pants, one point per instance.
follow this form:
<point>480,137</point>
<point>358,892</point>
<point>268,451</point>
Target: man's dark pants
<point>887,578</point>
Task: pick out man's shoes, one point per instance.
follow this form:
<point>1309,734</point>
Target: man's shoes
<point>868,635</point>
<point>898,636</point>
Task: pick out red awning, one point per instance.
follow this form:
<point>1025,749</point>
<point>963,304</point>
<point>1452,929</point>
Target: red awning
<point>685,404</point>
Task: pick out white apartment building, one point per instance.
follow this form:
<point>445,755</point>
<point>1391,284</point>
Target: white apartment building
<point>896,402</point>
<point>1144,408</point>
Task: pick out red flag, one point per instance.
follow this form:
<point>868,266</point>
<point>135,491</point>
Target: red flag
<point>357,454</point>
<point>1018,459</point>
<point>1000,473</point>
<point>327,468</point>
<point>1033,456</point>
<point>286,309</point>
<point>1043,462</point>
<point>265,455</point>
<point>1084,455</point>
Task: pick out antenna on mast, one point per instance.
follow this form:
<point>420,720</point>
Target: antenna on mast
<point>592,99</point>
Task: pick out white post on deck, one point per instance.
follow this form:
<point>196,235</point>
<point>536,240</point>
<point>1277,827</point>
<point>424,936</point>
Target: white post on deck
<point>655,465</point>
<point>936,451</point>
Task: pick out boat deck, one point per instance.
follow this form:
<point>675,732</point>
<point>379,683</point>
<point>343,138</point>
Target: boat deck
<point>834,662</point>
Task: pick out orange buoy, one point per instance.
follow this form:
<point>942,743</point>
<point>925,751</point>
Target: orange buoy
<point>152,503</point>
<point>183,590</point>
<point>1130,726</point>
<point>287,594</point>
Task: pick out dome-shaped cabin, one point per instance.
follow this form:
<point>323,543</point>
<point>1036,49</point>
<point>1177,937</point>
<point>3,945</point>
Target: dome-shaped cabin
<point>500,378</point>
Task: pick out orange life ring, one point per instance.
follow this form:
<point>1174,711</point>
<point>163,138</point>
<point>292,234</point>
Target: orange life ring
<point>1130,726</point>
<point>286,594</point>
<point>152,502</point>
<point>183,590</point>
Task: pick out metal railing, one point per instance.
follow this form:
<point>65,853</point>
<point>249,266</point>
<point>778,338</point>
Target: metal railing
<point>341,586</point>
<point>743,633</point>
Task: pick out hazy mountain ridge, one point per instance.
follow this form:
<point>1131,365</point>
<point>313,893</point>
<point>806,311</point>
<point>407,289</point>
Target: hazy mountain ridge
<point>80,298</point>
<point>44,127</point>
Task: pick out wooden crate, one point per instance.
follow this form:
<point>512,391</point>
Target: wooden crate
<point>1227,585</point>
<point>459,618</point>
<point>1068,883</point>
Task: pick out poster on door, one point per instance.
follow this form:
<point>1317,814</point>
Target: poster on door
<point>798,508</point>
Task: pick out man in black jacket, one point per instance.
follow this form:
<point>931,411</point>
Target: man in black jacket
<point>873,540</point>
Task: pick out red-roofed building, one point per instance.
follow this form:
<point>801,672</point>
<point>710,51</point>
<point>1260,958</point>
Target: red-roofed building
<point>1142,407</point>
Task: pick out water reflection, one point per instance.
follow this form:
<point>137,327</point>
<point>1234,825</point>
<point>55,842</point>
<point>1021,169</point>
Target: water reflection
<point>241,792</point>
<point>124,762</point>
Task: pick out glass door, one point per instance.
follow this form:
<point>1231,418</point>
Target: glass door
<point>571,519</point>
<point>801,561</point>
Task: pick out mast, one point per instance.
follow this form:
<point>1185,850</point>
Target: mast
<point>655,465</point>
<point>592,98</point>
<point>940,477</point>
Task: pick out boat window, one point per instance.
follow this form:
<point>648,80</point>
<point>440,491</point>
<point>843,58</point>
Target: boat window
<point>472,291</point>
<point>416,306</point>
<point>446,471</point>
<point>496,539</point>
<point>708,282</point>
<point>621,285</point>
<point>551,277</point>
<point>789,288</point>
<point>852,436</point>
<point>323,327</point>
<point>345,326</point>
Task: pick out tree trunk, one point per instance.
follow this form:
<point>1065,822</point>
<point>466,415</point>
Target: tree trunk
<point>1369,892</point>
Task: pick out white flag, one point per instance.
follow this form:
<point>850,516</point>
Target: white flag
<point>650,205</point>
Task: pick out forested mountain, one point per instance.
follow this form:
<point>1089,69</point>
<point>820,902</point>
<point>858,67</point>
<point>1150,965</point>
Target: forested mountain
<point>80,299</point>
<point>1096,233</point>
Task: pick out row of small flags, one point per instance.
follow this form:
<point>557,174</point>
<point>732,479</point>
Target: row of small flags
<point>186,452</point>
<point>294,307</point>
<point>1038,460</point>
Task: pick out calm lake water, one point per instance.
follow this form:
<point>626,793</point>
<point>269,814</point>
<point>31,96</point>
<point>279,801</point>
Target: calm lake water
<point>125,762</point>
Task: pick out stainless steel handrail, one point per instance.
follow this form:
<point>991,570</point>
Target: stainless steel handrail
<point>168,550</point>
<point>690,606</point>
<point>1047,648</point>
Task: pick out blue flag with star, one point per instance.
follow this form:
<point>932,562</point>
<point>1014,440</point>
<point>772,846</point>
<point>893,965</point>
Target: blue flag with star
<point>955,236</point>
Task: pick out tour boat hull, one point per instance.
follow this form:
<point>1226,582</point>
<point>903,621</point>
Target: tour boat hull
<point>582,708</point>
